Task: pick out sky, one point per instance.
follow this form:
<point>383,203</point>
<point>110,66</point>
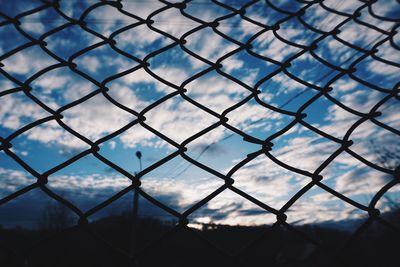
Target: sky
<point>177,183</point>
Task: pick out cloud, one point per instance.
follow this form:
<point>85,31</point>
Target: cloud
<point>28,62</point>
<point>51,134</point>
<point>269,46</point>
<point>13,180</point>
<point>14,118</point>
<point>386,9</point>
<point>111,19</point>
<point>96,117</point>
<point>361,183</point>
<point>216,47</point>
<point>179,119</point>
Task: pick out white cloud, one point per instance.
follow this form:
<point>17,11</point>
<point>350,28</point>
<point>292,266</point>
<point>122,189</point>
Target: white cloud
<point>385,8</point>
<point>216,47</point>
<point>361,181</point>
<point>269,46</point>
<point>143,38</point>
<point>13,180</point>
<point>386,71</point>
<point>51,133</point>
<point>28,61</point>
<point>112,144</point>
<point>14,118</point>
<point>111,19</point>
<point>176,26</point>
<point>96,117</point>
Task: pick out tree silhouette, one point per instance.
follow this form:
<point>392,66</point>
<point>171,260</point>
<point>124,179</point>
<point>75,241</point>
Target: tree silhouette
<point>55,216</point>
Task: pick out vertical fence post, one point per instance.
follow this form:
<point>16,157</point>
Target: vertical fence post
<point>135,209</point>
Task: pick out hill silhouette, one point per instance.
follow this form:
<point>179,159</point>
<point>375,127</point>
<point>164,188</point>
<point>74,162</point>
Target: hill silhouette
<point>190,247</point>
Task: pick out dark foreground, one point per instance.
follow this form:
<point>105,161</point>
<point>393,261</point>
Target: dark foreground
<point>378,246</point>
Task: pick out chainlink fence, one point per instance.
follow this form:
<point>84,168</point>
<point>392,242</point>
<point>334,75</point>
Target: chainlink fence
<point>233,8</point>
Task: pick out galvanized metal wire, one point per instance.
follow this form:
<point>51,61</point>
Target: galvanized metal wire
<point>265,145</point>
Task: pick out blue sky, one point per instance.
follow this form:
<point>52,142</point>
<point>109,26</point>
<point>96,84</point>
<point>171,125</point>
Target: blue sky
<point>177,183</point>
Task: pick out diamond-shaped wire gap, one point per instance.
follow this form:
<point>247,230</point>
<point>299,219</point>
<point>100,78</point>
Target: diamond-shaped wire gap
<point>247,68</point>
<point>63,43</point>
<point>263,13</point>
<point>178,119</point>
<point>324,219</point>
<point>103,62</point>
<point>388,52</point>
<point>370,19</point>
<point>27,62</point>
<point>142,9</point>
<point>238,28</point>
<point>13,8</point>
<point>60,87</point>
<point>375,144</point>
<point>286,6</point>
<point>344,7</point>
<point>355,95</point>
<point>256,120</point>
<point>41,22</point>
<point>268,45</point>
<point>49,145</point>
<point>115,223</point>
<point>175,66</point>
<point>122,149</point>
<point>179,184</point>
<point>140,41</point>
<point>330,118</point>
<point>336,53</point>
<point>138,90</point>
<point>294,31</point>
<point>283,92</point>
<point>11,38</point>
<point>106,19</point>
<point>176,26</point>
<point>377,73</point>
<point>302,148</point>
<point>310,70</point>
<point>87,182</point>
<point>74,9</point>
<point>216,47</point>
<point>388,9</point>
<point>353,179</point>
<point>216,92</point>
<point>319,208</point>
<point>205,11</point>
<point>268,182</point>
<point>390,113</point>
<point>321,19</point>
<point>96,117</point>
<point>220,149</point>
<point>16,111</point>
<point>359,35</point>
<point>230,221</point>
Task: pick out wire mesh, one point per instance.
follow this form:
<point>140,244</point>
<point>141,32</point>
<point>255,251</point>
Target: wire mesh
<point>265,145</point>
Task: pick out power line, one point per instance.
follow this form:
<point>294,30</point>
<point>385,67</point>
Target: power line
<point>281,106</point>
